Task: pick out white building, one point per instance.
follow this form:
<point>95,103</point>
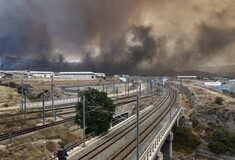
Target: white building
<point>187,77</point>
<point>40,74</point>
<point>1,75</point>
<point>77,75</point>
<point>212,83</point>
<point>13,74</point>
<point>123,79</point>
<point>100,75</point>
<point>116,76</point>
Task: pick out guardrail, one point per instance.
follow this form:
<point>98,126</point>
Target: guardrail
<point>49,103</point>
<point>154,146</point>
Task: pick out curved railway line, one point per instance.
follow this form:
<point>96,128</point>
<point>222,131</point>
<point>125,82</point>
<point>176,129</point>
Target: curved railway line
<point>7,135</point>
<point>93,153</point>
<point>121,155</point>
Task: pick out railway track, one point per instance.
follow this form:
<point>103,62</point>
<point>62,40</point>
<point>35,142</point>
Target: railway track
<point>3,118</point>
<point>95,151</point>
<point>122,154</point>
<point>21,132</point>
<point>8,135</point>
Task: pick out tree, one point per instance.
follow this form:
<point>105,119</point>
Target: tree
<point>219,100</point>
<point>99,111</point>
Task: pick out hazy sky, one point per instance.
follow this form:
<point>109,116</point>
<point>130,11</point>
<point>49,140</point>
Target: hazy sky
<point>119,35</point>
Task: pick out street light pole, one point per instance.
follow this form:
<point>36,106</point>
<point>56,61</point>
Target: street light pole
<point>171,97</point>
<point>84,125</point>
<point>137,127</point>
<point>52,97</point>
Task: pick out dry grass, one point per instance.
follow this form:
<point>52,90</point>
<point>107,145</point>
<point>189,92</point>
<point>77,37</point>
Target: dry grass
<point>9,96</point>
<point>59,82</point>
<point>36,145</point>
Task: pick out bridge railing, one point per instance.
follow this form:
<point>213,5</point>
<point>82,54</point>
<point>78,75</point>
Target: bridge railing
<point>49,103</point>
<point>154,146</point>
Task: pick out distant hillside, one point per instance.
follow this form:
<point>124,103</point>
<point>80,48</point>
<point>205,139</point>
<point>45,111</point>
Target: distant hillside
<point>9,63</point>
<point>198,74</point>
<point>182,73</point>
<point>226,71</point>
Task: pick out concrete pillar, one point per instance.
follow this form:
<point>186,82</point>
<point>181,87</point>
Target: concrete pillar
<point>167,146</point>
<point>178,122</point>
<point>159,156</point>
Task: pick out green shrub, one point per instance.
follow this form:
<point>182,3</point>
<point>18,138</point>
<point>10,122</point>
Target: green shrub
<point>217,147</point>
<point>12,85</point>
<point>184,139</point>
<point>10,96</point>
<point>219,100</point>
<point>9,125</point>
<point>222,141</point>
<point>32,97</point>
<point>5,105</point>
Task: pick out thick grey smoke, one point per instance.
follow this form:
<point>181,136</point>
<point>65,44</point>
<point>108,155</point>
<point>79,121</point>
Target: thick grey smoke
<point>131,36</point>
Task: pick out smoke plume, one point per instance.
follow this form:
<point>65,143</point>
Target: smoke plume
<point>131,37</point>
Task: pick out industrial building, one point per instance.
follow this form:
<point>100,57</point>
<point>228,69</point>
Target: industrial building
<point>100,75</point>
<point>40,74</point>
<point>187,77</point>
<point>77,75</point>
<point>13,74</point>
<point>48,74</point>
<point>212,83</point>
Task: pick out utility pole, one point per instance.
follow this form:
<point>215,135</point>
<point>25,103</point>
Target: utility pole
<point>128,87</point>
<point>117,96</point>
<point>84,123</point>
<point>52,98</point>
<point>117,101</point>
<point>170,106</point>
<point>22,94</point>
<point>25,107</point>
<point>114,89</point>
<point>151,85</point>
<point>43,107</point>
<point>10,136</point>
<point>137,128</point>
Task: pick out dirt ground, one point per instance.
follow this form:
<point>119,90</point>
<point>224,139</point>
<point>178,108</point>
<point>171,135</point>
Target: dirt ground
<point>9,96</point>
<point>37,145</point>
<point>207,115</point>
<point>207,97</point>
<point>59,82</point>
<point>213,93</point>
